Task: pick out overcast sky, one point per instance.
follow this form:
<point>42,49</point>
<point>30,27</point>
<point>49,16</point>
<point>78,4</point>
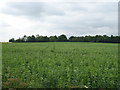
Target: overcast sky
<point>55,18</point>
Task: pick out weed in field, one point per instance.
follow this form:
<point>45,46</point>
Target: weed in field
<point>14,83</point>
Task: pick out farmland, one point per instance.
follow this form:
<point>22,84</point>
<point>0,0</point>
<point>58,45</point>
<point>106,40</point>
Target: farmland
<point>60,65</point>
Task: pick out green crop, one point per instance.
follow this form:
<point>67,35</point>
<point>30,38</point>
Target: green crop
<point>60,65</point>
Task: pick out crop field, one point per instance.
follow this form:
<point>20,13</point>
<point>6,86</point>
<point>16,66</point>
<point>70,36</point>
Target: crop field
<point>59,65</point>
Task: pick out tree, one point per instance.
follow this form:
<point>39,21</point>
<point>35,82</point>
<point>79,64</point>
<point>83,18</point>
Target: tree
<point>62,38</point>
<point>12,40</point>
<point>39,39</point>
<point>31,38</point>
<point>72,39</point>
<point>45,39</point>
<point>19,40</point>
<point>24,38</point>
<point>53,39</point>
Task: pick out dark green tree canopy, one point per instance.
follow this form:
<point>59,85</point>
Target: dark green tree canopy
<point>53,39</point>
<point>12,40</point>
<point>63,38</point>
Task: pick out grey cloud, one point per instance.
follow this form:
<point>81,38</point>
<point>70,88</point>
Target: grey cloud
<point>74,7</point>
<point>71,24</point>
<point>4,25</point>
<point>21,9</point>
<point>108,7</point>
<point>100,25</point>
<point>34,9</point>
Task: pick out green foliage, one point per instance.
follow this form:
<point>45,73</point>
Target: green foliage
<point>60,65</point>
<point>53,39</point>
<point>63,38</point>
<point>41,38</point>
<point>12,40</point>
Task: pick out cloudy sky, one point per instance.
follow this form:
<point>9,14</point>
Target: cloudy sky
<point>55,18</point>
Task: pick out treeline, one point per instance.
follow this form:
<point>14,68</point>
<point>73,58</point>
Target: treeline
<point>63,38</point>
